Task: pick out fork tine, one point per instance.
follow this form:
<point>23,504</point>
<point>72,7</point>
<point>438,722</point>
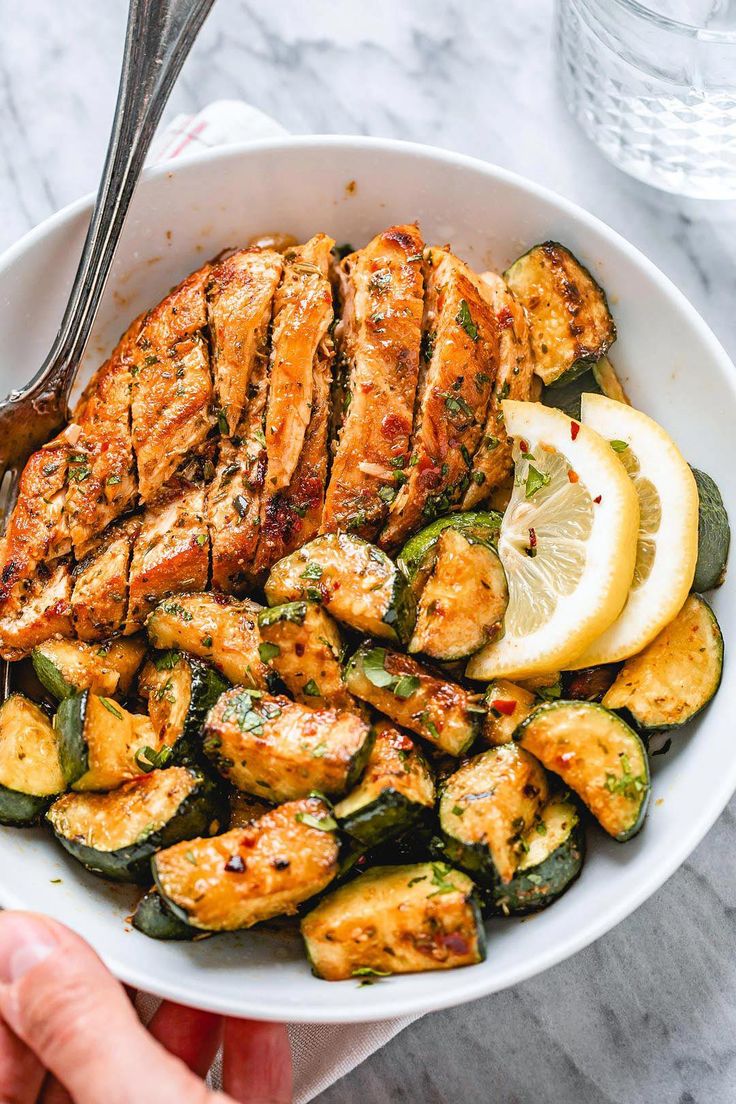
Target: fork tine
<point>8,494</point>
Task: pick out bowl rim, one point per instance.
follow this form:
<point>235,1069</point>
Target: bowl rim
<point>467,984</point>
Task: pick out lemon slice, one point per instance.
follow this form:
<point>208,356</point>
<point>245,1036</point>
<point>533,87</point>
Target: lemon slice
<point>667,548</point>
<point>567,544</point>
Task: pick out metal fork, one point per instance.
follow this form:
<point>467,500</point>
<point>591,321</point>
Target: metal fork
<point>159,36</point>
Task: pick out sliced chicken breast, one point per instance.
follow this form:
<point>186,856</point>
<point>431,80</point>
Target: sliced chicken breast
<point>102,476</point>
<point>239,297</point>
<point>297,414</point>
<point>172,386</point>
<point>234,497</point>
<point>100,595</point>
<point>171,552</point>
<point>37,529</point>
<point>492,462</point>
<point>379,341</point>
<point>45,610</point>
<point>461,356</point>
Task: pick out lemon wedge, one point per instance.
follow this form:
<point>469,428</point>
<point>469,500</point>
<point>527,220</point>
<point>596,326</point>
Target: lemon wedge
<point>667,547</point>
<point>567,544</point>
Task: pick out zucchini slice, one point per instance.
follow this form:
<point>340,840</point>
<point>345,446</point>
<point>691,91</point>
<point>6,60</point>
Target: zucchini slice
<point>714,535</point>
<point>598,756</point>
<point>590,683</point>
<point>417,557</point>
<point>548,687</point>
<point>396,920</point>
<point>30,768</point>
<point>280,750</point>
<point>154,918</point>
<point>353,579</point>
<point>554,848</point>
<point>566,396</point>
<point>180,691</point>
<point>486,808</point>
<point>101,744</point>
<point>116,834</point>
<point>302,644</point>
<point>67,666</point>
<point>440,711</point>
<point>508,704</point>
<point>394,794</point>
<point>265,869</point>
<point>570,325</point>
<point>668,684</point>
<point>214,627</point>
<point>463,601</point>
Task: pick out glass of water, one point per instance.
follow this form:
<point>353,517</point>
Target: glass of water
<point>654,86</point>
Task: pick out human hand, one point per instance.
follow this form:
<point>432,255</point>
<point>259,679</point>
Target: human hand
<point>69,1033</point>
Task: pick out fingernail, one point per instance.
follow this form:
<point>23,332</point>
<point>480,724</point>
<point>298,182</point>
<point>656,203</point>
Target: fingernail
<point>24,942</point>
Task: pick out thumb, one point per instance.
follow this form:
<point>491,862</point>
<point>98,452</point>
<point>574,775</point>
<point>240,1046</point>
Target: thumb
<point>59,999</point>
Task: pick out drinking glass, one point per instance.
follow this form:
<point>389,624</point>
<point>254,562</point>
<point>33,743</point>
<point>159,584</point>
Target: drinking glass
<point>654,86</point>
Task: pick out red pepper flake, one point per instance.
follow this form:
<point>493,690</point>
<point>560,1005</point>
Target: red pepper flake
<point>504,318</point>
<point>393,426</point>
<point>531,549</point>
<point>454,942</point>
<point>524,445</point>
<point>598,499</point>
<point>501,705</point>
<point>573,476</point>
<point>574,429</point>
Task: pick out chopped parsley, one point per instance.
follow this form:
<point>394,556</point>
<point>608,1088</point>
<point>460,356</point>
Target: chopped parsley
<point>311,689</point>
<point>374,668</point>
<point>111,708</point>
<point>464,319</point>
<point>619,446</point>
<point>267,651</point>
<point>313,570</point>
<point>322,824</point>
<point>148,759</point>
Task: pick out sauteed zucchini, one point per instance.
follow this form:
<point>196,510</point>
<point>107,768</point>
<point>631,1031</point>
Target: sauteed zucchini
<point>30,765</point>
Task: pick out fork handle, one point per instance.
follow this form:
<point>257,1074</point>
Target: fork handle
<point>160,34</point>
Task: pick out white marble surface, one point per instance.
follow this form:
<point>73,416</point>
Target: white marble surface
<point>648,1014</point>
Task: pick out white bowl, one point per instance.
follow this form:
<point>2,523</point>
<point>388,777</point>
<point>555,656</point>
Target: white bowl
<point>673,368</point>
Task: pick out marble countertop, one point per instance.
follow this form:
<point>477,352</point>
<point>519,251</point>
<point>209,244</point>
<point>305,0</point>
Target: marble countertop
<point>647,1014</point>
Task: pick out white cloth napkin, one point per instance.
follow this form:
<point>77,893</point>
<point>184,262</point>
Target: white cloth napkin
<point>322,1054</point>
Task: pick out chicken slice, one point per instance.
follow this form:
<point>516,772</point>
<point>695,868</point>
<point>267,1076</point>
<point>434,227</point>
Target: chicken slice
<point>379,341</point>
<point>302,355</point>
<point>37,529</point>
<point>460,348</point>
<point>492,462</point>
<point>239,297</point>
<point>172,386</point>
<point>45,610</point>
<point>171,552</point>
<point>234,496</point>
<point>100,594</point>
<point>102,477</point>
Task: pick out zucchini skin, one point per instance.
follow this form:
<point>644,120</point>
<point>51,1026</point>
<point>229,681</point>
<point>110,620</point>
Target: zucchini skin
<point>73,750</point>
<point>19,810</point>
<point>154,918</point>
<point>566,396</point>
<point>714,535</point>
<point>204,805</point>
<point>50,676</point>
<point>388,815</point>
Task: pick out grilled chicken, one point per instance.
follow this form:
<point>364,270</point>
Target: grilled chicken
<point>460,351</point>
<point>100,594</point>
<point>37,530</point>
<point>102,478</point>
<point>239,297</point>
<point>44,611</point>
<point>379,341</point>
<point>297,413</point>
<point>172,385</point>
<point>234,496</point>
<point>171,552</point>
<point>492,462</point>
